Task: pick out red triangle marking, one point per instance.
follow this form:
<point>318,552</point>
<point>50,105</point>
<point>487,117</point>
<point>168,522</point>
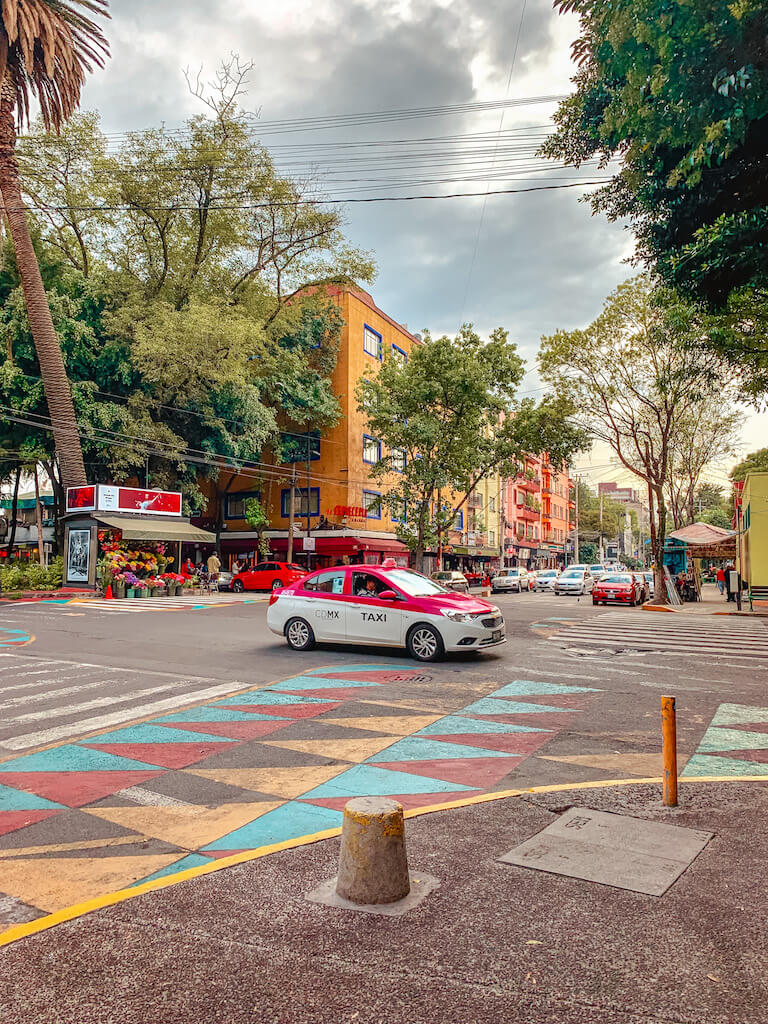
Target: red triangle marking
<point>544,719</point>
<point>515,742</point>
<point>217,854</point>
<point>346,692</point>
<point>381,676</point>
<point>74,789</point>
<point>744,755</point>
<point>481,772</point>
<point>167,755</point>
<point>282,710</point>
<point>10,821</point>
<point>746,726</point>
<point>408,800</point>
<point>235,730</point>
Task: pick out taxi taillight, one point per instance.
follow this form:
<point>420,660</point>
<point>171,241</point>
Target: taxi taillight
<point>273,597</point>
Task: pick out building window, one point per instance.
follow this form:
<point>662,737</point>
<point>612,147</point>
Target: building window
<point>300,501</point>
<point>372,504</point>
<point>300,447</point>
<point>234,507</point>
<point>491,538</point>
<point>491,504</point>
<point>371,449</point>
<point>458,521</point>
<point>398,513</point>
<point>398,460</point>
<point>372,342</point>
<point>399,354</point>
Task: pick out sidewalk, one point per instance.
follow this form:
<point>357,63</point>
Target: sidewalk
<point>495,944</point>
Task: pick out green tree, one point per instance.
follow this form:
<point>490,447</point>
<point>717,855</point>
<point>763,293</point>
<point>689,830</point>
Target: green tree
<point>450,412</point>
<point>636,375</point>
<point>755,462</point>
<point>258,520</point>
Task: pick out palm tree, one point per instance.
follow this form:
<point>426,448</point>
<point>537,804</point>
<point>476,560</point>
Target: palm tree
<point>46,48</point>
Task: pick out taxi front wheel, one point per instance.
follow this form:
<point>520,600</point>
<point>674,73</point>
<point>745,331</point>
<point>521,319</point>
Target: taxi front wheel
<point>299,635</point>
<point>424,643</point>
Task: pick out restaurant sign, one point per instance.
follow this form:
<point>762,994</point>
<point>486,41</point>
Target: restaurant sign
<point>350,511</point>
<point>133,500</point>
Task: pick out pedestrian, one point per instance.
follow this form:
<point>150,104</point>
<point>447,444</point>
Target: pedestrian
<point>720,580</point>
<point>214,565</point>
<point>236,567</point>
<point>188,569</point>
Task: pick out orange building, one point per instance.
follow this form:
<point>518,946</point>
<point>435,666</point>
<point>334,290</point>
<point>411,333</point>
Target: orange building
<point>335,497</point>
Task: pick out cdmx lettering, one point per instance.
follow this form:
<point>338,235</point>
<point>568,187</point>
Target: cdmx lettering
<point>326,613</point>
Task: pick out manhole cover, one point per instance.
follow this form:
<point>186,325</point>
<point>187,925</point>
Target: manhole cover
<point>612,849</point>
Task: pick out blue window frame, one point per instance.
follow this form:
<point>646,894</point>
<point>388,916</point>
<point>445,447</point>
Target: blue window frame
<point>399,459</point>
<point>458,522</point>
<point>372,343</point>
<point>300,501</point>
<point>399,513</point>
<point>296,447</point>
<point>372,504</point>
<point>371,449</point>
<point>399,353</point>
<point>234,506</point>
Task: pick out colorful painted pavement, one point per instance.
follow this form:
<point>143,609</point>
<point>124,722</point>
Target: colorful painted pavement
<point>252,769</point>
<point>736,743</point>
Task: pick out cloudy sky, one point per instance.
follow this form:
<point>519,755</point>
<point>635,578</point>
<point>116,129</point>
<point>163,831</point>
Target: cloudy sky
<point>530,262</point>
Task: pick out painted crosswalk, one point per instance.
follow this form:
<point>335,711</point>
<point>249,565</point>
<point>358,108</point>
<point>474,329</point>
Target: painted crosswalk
<point>146,604</point>
<point>46,700</point>
<point>678,635</point>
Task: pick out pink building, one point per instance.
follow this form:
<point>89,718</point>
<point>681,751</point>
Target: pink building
<point>539,515</point>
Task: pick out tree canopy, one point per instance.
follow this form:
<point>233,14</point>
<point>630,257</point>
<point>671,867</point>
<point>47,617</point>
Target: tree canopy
<point>755,462</point>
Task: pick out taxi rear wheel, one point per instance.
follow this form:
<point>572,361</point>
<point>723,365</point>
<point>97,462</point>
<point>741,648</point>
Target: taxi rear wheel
<point>424,643</point>
<point>299,635</point>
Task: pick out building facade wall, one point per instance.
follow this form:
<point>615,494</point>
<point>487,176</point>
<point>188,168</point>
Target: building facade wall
<point>754,537</point>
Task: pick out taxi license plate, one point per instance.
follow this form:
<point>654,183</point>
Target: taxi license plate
<point>497,634</point>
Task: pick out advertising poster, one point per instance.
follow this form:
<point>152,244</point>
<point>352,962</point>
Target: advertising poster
<point>81,499</point>
<point>78,556</point>
<point>159,503</point>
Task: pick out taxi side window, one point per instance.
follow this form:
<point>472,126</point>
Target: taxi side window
<point>366,585</point>
<point>327,583</point>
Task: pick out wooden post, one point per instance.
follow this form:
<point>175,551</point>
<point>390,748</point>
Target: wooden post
<point>669,750</point>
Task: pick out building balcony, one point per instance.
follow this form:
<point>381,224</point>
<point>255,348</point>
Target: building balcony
<point>524,484</point>
<point>528,515</point>
<point>475,500</point>
<point>571,503</point>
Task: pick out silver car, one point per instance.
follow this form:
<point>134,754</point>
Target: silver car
<point>574,581</point>
<point>546,579</point>
<point>511,579</point>
<point>452,579</point>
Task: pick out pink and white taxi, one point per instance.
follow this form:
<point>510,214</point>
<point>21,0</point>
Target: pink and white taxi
<point>383,606</point>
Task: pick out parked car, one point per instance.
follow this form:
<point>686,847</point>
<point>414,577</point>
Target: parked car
<point>643,585</point>
<point>268,576</point>
<point>452,579</point>
<point>225,579</point>
<point>546,578</point>
<point>574,581</point>
<point>618,587</point>
<point>649,579</point>
<point>383,606</point>
<point>517,579</point>
<point>598,570</point>
<point>477,579</point>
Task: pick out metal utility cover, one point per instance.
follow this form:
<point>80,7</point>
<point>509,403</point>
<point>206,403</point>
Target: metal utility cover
<point>612,849</point>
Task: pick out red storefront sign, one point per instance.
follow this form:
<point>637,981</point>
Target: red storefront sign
<point>350,511</point>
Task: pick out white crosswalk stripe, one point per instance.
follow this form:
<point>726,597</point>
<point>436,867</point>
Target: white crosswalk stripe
<point>38,711</point>
<point>678,635</point>
<point>146,604</point>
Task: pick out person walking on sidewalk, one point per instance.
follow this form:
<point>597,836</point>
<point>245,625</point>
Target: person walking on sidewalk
<point>720,580</point>
<point>214,566</point>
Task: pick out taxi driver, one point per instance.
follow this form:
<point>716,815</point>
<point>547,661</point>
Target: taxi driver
<point>368,586</point>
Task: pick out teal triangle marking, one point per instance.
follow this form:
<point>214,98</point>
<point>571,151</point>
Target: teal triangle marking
<point>289,821</point>
<point>490,706</point>
<point>208,713</point>
<point>71,758</point>
<point>192,860</point>
<point>739,714</point>
<point>532,688</point>
<point>314,683</point>
<point>265,697</point>
<point>149,733</point>
<point>462,726</point>
<point>368,780</point>
<point>706,764</point>
<point>715,739</point>
<point>17,800</point>
<point>418,748</point>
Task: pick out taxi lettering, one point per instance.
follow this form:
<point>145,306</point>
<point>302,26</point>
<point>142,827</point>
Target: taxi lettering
<point>327,614</point>
<point>374,616</point>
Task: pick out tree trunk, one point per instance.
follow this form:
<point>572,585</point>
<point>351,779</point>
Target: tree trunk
<point>57,390</point>
<point>39,521</point>
<point>14,512</point>
<point>658,527</point>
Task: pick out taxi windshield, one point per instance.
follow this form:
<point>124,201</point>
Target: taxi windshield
<point>414,584</point>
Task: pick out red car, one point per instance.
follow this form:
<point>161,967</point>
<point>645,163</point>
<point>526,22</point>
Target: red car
<point>620,587</point>
<point>267,576</point>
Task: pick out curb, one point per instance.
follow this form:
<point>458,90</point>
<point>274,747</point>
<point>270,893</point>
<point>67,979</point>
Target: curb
<point>659,608</point>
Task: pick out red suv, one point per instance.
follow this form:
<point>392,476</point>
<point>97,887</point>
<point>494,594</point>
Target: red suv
<point>267,576</point>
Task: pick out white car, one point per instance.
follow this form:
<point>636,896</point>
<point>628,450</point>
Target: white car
<point>546,579</point>
<point>574,581</point>
<point>511,579</point>
<point>385,606</point>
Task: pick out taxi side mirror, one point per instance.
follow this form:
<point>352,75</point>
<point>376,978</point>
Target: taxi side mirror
<point>387,595</point>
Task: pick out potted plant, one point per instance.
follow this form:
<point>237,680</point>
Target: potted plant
<point>118,585</point>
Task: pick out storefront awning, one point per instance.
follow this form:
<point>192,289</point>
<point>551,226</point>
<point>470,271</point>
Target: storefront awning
<point>134,528</point>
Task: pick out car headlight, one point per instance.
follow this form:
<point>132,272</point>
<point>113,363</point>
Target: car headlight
<point>459,616</point>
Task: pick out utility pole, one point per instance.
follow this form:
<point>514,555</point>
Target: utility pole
<point>309,497</point>
<point>291,512</point>
<point>39,518</point>
<point>576,527</point>
<point>601,527</point>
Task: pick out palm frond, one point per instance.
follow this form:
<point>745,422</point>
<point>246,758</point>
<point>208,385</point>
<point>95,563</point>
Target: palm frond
<point>46,49</point>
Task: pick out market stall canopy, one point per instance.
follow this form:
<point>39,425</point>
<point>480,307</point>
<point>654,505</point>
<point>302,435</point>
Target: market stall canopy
<point>705,541</point>
<point>134,528</point>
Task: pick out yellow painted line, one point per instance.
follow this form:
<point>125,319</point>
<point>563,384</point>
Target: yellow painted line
<point>112,899</point>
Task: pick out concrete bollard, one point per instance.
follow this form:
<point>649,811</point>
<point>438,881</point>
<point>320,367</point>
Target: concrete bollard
<point>373,866</point>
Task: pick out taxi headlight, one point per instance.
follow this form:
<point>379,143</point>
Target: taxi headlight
<point>460,616</point>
